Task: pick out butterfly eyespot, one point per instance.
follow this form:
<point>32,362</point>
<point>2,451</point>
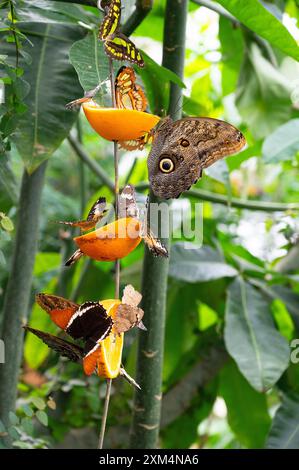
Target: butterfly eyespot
<point>166,165</point>
<point>184,143</point>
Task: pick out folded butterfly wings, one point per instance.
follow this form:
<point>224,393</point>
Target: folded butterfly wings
<point>182,149</point>
<point>89,322</point>
<point>116,44</point>
<point>128,208</point>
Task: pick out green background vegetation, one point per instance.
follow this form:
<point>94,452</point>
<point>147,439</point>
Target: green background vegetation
<point>232,305</point>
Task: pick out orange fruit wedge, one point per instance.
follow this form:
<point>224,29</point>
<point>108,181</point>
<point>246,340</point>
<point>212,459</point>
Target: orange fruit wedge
<point>109,360</point>
<point>111,242</point>
<point>119,124</point>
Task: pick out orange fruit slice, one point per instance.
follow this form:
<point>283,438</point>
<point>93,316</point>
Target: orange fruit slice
<point>119,124</point>
<point>111,242</point>
<point>109,360</point>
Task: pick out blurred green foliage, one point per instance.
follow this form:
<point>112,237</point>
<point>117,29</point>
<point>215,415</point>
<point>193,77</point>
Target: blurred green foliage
<point>238,295</point>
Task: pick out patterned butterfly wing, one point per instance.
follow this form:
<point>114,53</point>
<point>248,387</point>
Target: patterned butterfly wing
<point>127,317</point>
<point>119,47</point>
<point>59,309</point>
<point>95,214</point>
<point>90,322</point>
<point>182,149</point>
<point>136,144</point>
<point>127,203</point>
<point>64,348</point>
<point>128,94</point>
<point>131,296</point>
<point>111,21</point>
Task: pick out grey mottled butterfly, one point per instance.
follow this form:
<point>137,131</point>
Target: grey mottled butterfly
<point>182,149</point>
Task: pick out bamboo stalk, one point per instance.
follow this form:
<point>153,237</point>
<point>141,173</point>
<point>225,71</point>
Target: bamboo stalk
<point>147,402</point>
<point>117,262</point>
<point>17,295</point>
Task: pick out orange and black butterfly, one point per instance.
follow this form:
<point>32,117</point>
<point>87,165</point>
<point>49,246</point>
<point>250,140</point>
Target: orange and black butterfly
<point>116,44</point>
<point>129,95</point>
<point>88,322</point>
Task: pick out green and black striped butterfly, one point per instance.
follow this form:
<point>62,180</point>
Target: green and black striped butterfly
<point>117,45</point>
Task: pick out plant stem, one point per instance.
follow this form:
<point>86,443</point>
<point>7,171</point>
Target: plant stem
<point>117,262</point>
<point>143,7</point>
<point>93,165</point>
<point>17,295</point>
<point>147,402</point>
<point>209,196</point>
<point>105,413</point>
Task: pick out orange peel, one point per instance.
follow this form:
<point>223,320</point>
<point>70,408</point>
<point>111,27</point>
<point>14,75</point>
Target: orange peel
<point>109,360</point>
<point>111,242</point>
<point>119,124</point>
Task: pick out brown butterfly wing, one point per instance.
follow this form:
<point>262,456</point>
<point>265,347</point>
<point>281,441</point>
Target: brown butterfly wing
<point>50,302</point>
<point>63,348</point>
<point>182,149</point>
<point>127,203</point>
<point>126,318</point>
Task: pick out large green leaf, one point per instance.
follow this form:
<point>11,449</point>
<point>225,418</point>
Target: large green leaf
<point>263,95</point>
<point>257,18</point>
<point>284,433</point>
<point>35,351</point>
<point>289,298</point>
<point>181,327</point>
<point>48,11</point>
<point>90,62</point>
<point>198,264</point>
<point>260,351</point>
<point>9,189</point>
<point>247,409</point>
<point>53,81</point>
<point>232,49</point>
<point>283,143</point>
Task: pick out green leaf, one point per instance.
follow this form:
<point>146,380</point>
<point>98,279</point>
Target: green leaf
<point>289,298</point>
<point>27,425</point>
<point>2,427</point>
<point>9,190</point>
<point>247,409</point>
<point>42,417</point>
<point>283,143</point>
<point>35,351</point>
<point>46,262</point>
<point>38,403</point>
<point>198,264</point>
<point>263,95</point>
<point>283,319</point>
<point>232,57</point>
<point>253,15</point>
<point>27,410</point>
<point>251,338</point>
<point>46,122</point>
<point>91,63</point>
<point>13,419</point>
<point>156,79</point>
<point>284,433</point>
<point>44,11</point>
<point>6,223</point>
<point>181,327</point>
<point>14,432</point>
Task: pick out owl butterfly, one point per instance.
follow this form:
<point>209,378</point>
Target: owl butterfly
<point>116,44</point>
<point>182,149</point>
<point>88,322</point>
<point>129,95</point>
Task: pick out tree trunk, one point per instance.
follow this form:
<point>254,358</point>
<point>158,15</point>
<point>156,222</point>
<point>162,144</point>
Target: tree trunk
<point>147,402</point>
<point>18,288</point>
